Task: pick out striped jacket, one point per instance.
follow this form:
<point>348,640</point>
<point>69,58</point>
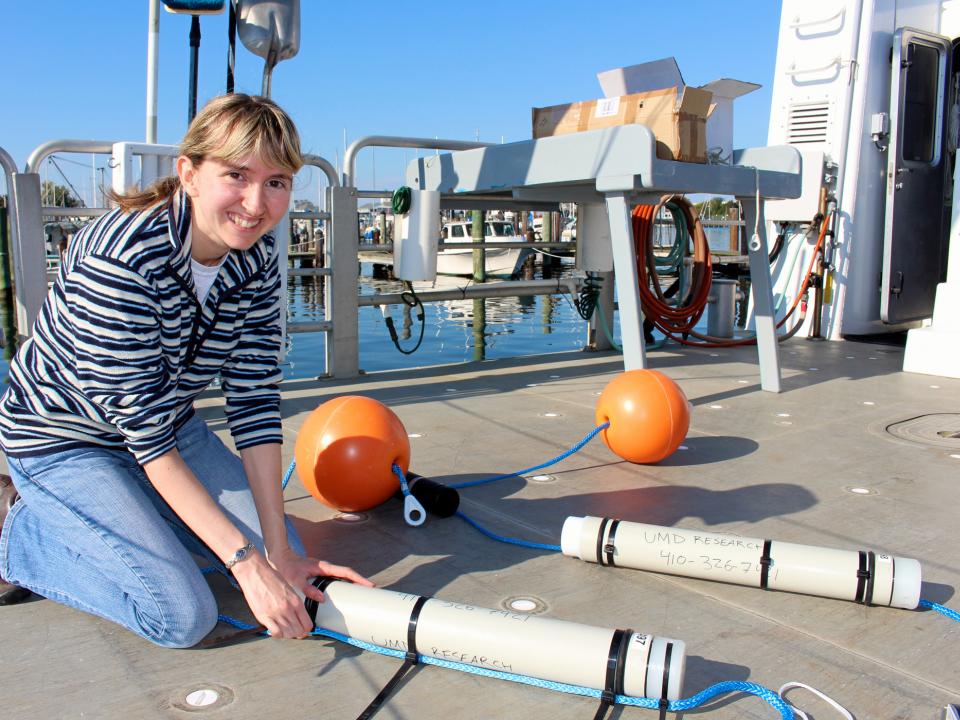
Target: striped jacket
<point>122,346</point>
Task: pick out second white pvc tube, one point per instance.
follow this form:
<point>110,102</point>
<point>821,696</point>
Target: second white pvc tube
<point>874,578</point>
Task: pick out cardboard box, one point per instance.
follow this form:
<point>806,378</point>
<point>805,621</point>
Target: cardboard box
<point>666,73</point>
<point>676,116</point>
<point>689,123</point>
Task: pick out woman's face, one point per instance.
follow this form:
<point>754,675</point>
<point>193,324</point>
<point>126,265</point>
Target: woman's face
<point>234,204</point>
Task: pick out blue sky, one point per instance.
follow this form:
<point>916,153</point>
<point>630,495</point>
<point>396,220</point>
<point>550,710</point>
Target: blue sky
<point>77,70</point>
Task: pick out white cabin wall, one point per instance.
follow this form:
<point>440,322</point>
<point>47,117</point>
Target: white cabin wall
<point>950,18</point>
<point>859,37</point>
<point>861,185</point>
<point>812,94</point>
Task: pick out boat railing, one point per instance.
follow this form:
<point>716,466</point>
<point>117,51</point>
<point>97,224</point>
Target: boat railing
<point>342,245</point>
<point>337,262</point>
<point>394,141</point>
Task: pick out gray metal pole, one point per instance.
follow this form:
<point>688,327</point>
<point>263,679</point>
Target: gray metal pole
<point>340,292</point>
<point>768,349</point>
<point>153,51</point>
<point>625,267</point>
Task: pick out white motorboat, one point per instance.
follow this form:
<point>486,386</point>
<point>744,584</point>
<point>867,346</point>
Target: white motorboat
<point>498,261</point>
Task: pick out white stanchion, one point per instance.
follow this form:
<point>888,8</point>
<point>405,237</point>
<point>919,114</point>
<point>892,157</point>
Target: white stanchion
<point>505,641</point>
<point>864,576</point>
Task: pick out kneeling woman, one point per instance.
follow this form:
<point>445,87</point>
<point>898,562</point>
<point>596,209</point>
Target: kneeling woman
<point>119,480</point>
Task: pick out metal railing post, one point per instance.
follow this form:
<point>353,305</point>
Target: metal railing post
<point>340,291</point>
<point>29,254</point>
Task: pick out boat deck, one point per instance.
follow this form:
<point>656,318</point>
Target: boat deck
<point>756,464</point>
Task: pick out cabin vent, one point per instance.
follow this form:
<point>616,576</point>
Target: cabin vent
<point>807,124</point>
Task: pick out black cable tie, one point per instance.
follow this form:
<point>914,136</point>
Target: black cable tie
<point>610,546</point>
<point>616,664</point>
<point>766,562</point>
<point>411,659</point>
<point>861,576</point>
<point>664,703</point>
<point>866,576</point>
<point>663,706</point>
<point>600,533</point>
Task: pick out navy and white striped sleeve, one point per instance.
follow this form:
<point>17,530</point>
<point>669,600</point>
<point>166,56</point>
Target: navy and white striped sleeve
<point>252,375</point>
<point>115,328</point>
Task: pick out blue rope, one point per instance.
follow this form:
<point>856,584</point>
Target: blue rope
<point>943,610</point>
<point>484,481</point>
<point>786,713</point>
<point>398,471</point>
<point>288,475</point>
<point>558,458</point>
<point>501,538</point>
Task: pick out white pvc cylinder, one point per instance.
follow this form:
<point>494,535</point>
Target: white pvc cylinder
<point>860,575</point>
<point>415,243</point>
<point>594,248</point>
<point>511,642</point>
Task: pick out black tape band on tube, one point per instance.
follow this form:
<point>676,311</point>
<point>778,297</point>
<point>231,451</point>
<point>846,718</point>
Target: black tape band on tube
<point>622,661</point>
<point>870,576</point>
<point>893,579</point>
<point>321,582</point>
<point>665,687</point>
<point>600,533</point>
<point>613,682</point>
<point>610,546</point>
<point>765,562</point>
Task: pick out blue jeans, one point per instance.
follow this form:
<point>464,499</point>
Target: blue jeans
<point>89,531</point>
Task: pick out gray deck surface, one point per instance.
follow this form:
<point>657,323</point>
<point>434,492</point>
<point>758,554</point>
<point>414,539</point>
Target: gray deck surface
<point>757,464</point>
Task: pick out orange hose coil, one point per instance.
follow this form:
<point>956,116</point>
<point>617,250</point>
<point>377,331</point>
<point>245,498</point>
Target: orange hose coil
<point>670,319</point>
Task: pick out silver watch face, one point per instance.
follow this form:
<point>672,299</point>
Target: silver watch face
<point>239,555</point>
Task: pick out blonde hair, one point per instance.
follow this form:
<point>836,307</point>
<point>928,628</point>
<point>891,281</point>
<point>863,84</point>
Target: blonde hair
<point>229,128</point>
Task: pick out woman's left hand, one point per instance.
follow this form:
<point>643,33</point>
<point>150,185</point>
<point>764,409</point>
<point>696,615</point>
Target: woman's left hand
<point>299,570</point>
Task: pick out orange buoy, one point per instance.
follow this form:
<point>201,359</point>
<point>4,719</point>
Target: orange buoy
<point>648,414</point>
<point>345,450</point>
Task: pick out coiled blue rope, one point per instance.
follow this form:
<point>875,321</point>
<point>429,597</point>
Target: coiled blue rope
<point>942,609</point>
<point>722,688</point>
<point>483,481</point>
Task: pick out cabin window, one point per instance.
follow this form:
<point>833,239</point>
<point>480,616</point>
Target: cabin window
<point>457,230</point>
<point>920,106</point>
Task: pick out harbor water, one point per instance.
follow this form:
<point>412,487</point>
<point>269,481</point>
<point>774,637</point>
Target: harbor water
<point>454,330</point>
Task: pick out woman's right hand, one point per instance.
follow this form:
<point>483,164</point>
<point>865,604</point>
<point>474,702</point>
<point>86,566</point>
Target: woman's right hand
<point>271,599</point>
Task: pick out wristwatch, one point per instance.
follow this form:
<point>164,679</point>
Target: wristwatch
<point>241,554</point>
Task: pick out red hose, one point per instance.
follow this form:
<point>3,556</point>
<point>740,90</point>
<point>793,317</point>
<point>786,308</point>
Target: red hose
<point>681,318</point>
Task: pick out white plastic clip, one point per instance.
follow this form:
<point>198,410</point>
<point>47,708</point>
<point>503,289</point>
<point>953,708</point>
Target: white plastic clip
<point>413,511</point>
<point>823,696</point>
